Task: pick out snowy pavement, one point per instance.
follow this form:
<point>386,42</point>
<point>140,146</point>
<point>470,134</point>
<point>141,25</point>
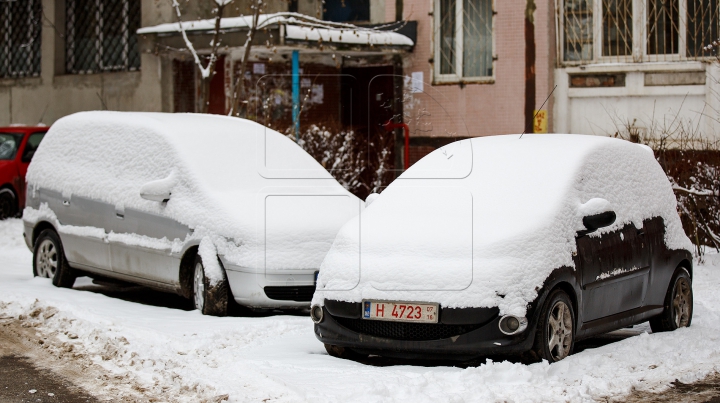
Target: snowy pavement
<point>182,356</point>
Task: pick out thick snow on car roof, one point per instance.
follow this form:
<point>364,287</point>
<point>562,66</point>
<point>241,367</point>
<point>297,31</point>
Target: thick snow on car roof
<point>222,152</point>
<point>488,230</point>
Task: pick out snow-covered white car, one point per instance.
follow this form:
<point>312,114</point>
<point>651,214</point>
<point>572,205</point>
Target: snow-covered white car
<point>504,245</point>
<point>209,207</point>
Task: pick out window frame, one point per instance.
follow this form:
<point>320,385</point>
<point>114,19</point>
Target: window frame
<point>98,41</point>
<point>457,77</point>
<point>640,28</point>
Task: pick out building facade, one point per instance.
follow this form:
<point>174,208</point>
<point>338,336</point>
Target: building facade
<point>471,68</point>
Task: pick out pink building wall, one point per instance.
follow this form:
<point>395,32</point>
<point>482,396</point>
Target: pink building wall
<point>485,109</point>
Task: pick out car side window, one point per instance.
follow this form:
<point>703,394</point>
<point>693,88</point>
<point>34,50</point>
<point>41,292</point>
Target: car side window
<point>32,145</point>
<point>8,145</point>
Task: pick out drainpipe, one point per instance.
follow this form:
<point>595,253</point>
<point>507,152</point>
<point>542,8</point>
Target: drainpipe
<point>296,92</point>
<point>529,65</point>
<point>389,126</point>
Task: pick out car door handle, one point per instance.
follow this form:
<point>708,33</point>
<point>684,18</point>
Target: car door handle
<point>66,203</point>
<point>120,216</point>
<point>641,232</point>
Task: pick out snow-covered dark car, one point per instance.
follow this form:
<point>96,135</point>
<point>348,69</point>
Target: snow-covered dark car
<point>213,208</point>
<point>503,245</point>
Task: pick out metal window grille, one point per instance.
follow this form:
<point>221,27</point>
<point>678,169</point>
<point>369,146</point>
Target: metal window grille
<point>663,27</point>
<point>578,25</point>
<point>617,27</point>
<point>638,30</point>
<point>20,28</point>
<point>702,26</point>
<point>447,37</point>
<point>464,37</point>
<point>101,36</point>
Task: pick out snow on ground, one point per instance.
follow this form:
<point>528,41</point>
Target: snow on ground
<point>184,356</point>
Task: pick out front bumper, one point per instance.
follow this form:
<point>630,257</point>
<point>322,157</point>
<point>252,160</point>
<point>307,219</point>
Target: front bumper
<point>482,340</point>
<point>249,289</point>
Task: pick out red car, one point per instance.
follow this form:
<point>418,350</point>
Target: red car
<point>17,147</point>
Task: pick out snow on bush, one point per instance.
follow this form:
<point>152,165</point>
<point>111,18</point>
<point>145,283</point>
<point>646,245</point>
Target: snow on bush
<point>363,166</point>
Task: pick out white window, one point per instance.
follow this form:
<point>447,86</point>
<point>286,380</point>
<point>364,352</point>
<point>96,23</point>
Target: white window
<point>463,41</point>
<point>636,30</point>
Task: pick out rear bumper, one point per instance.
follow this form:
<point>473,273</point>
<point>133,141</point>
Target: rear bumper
<point>483,341</point>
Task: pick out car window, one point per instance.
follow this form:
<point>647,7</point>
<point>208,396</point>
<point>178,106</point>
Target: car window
<point>32,146</point>
<point>8,145</point>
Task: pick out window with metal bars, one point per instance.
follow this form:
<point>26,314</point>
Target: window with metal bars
<point>463,40</point>
<point>636,30</point>
<point>20,28</point>
<point>100,36</point>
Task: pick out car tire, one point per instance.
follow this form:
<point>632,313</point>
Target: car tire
<point>555,332</point>
<point>678,304</point>
<point>8,204</point>
<point>343,352</point>
<point>49,260</point>
<point>209,300</point>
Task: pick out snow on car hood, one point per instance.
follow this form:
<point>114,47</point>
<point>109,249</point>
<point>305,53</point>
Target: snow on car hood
<point>487,231</point>
<point>213,167</point>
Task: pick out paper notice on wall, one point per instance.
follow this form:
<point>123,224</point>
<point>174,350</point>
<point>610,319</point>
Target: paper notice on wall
<point>305,83</point>
<point>317,94</point>
<point>417,81</point>
<point>540,124</point>
<point>259,68</point>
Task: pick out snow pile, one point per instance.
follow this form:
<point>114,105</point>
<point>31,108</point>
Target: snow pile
<point>135,352</point>
<point>487,231</point>
<point>211,166</point>
<point>297,27</point>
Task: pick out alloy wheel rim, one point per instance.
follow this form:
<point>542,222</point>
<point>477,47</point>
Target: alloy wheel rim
<point>682,303</point>
<point>47,259</point>
<point>199,286</point>
<point>559,331</point>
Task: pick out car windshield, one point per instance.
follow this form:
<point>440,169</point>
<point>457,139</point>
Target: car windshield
<point>9,143</point>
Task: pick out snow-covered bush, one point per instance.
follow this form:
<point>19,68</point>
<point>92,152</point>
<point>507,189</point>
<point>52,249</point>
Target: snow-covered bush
<point>362,165</point>
<point>691,162</point>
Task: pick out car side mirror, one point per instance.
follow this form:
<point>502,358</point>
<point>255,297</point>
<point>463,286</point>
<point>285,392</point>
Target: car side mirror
<point>595,221</point>
<point>158,197</point>
<point>159,190</point>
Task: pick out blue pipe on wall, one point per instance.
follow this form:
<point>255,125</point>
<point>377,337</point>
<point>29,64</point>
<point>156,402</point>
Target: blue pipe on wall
<point>296,92</point>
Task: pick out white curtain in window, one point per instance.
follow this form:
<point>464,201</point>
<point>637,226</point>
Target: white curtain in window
<point>477,38</point>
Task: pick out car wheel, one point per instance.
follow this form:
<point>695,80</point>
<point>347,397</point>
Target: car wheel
<point>678,304</point>
<point>343,352</point>
<point>8,204</point>
<point>210,300</point>
<point>555,334</point>
<point>49,260</point>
